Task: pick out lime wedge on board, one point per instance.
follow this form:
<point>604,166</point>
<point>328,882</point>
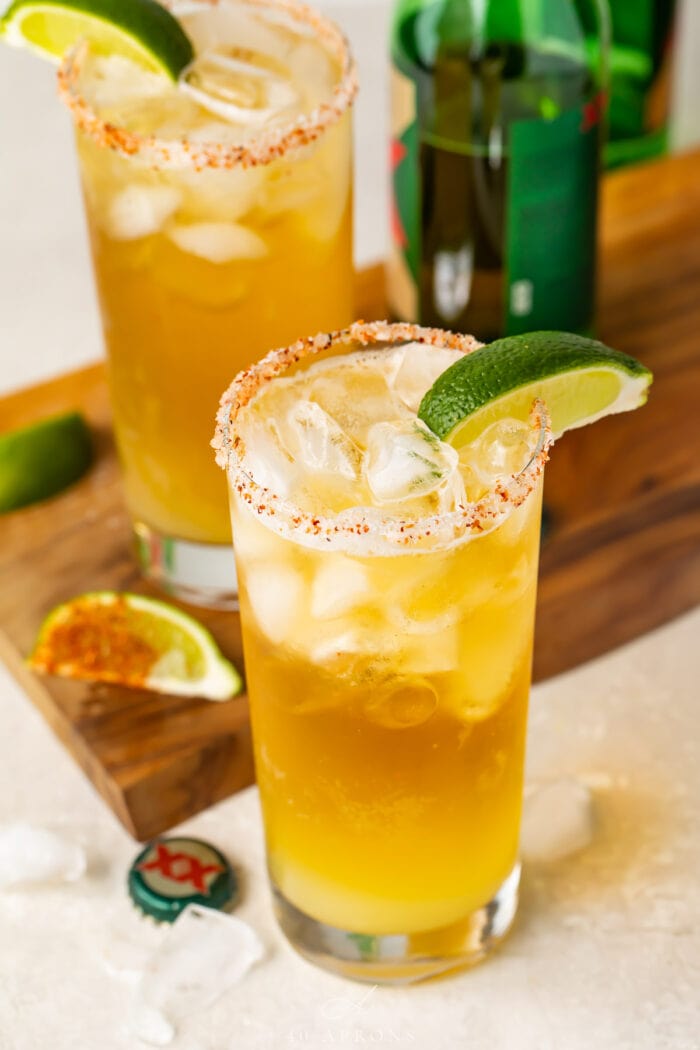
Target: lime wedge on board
<point>40,460</point>
<point>131,640</point>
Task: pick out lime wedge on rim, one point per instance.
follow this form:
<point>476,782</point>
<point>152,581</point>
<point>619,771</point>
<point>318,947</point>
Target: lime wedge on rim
<point>579,380</point>
<point>128,639</point>
<point>141,30</point>
<point>40,460</point>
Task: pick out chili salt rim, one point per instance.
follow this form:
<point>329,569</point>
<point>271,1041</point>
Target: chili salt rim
<point>371,527</point>
<point>268,146</point>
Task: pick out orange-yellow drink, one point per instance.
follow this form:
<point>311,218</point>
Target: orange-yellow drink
<point>387,599</point>
<point>220,215</point>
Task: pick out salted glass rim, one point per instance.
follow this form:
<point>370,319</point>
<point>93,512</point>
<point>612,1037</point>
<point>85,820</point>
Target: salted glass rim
<point>162,153</point>
<point>367,530</point>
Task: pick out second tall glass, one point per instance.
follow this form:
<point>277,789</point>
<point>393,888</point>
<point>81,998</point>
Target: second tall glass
<point>220,215</point>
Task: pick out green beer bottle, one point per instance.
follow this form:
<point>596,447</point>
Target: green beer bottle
<point>641,68</point>
<point>497,117</point>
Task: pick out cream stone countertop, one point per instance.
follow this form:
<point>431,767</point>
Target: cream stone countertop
<point>605,954</point>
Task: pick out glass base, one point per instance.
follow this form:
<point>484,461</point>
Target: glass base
<point>401,958</point>
<point>198,573</point>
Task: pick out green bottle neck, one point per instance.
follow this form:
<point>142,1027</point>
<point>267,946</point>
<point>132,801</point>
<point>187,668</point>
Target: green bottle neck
<point>423,29</point>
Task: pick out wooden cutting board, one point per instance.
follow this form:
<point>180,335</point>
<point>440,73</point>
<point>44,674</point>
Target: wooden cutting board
<point>622,554</point>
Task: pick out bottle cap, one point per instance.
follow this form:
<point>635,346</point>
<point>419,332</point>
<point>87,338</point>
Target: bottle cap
<point>171,873</point>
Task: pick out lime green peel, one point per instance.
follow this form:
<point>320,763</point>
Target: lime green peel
<point>141,30</point>
<point>135,641</point>
<point>580,380</point>
<point>41,460</point>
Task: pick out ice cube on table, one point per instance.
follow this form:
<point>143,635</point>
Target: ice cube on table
<point>203,955</point>
<point>218,242</point>
<point>123,956</point>
<point>139,211</point>
<point>339,586</point>
<point>405,459</point>
<point>557,820</point>
<point>151,1026</point>
<point>415,369</point>
<point>31,855</point>
<point>275,594</point>
<point>317,443</point>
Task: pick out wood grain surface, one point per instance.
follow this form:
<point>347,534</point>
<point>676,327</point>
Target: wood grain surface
<point>622,554</point>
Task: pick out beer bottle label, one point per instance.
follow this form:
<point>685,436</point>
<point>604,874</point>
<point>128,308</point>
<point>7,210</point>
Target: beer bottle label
<point>403,267</point>
<point>549,234</point>
<point>550,228</point>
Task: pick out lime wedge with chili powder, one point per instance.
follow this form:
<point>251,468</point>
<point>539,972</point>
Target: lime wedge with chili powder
<point>580,380</point>
<point>141,30</point>
<point>128,639</point>
<point>41,460</point>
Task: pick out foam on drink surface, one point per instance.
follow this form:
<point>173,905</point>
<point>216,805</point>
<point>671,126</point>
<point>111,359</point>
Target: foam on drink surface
<point>344,434</point>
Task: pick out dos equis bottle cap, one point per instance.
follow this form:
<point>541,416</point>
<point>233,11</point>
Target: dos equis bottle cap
<point>171,873</point>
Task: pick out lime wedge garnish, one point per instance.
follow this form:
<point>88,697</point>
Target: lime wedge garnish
<point>42,459</point>
<point>130,640</point>
<point>141,30</point>
<point>579,380</point>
